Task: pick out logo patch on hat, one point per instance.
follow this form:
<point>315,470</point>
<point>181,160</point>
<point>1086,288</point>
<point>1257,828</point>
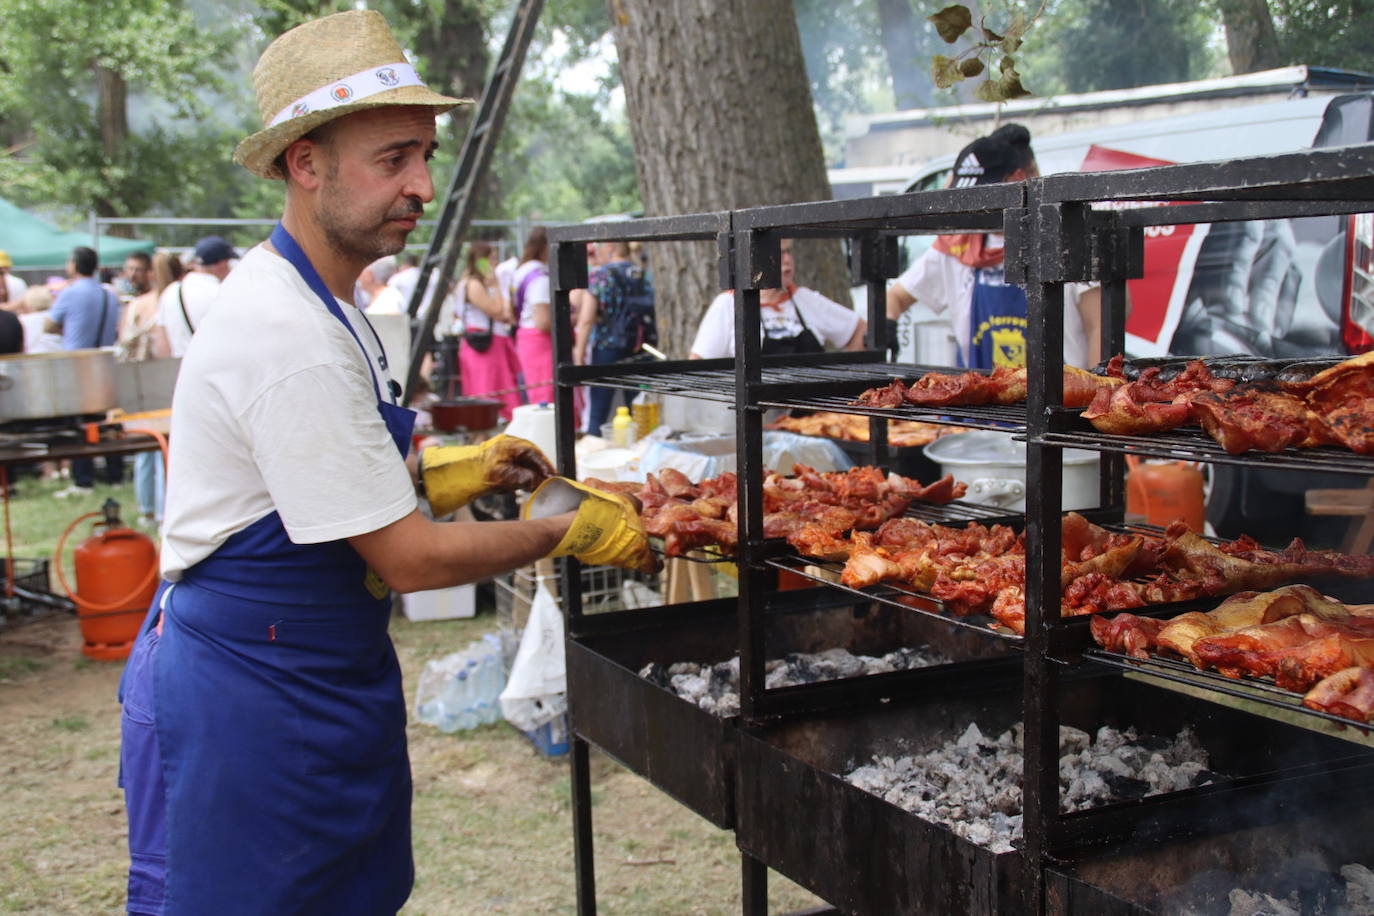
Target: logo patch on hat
<point>341,93</point>
<point>299,109</point>
<point>387,77</point>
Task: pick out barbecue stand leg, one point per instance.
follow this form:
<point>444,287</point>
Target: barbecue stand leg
<point>755,885</point>
<point>582,828</point>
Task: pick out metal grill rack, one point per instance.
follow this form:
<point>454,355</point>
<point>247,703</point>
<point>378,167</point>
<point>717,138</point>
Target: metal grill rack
<point>1250,689</point>
<point>753,773</point>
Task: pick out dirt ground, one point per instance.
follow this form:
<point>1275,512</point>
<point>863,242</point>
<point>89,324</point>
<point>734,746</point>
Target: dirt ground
<point>492,827</point>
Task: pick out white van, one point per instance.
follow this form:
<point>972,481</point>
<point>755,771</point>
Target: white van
<point>1272,287</point>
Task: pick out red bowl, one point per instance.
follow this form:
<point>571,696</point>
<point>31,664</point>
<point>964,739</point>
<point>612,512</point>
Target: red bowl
<point>471,414</point>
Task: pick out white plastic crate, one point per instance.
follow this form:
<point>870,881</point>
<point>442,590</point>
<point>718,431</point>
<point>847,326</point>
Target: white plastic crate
<point>601,590</point>
<point>441,603</point>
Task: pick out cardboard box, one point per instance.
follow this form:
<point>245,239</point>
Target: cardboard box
<point>441,603</point>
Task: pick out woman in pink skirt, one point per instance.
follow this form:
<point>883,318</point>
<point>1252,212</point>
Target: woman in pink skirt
<point>486,357</point>
<point>534,317</point>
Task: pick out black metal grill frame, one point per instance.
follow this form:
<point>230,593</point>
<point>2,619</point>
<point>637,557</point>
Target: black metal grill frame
<point>1060,228</point>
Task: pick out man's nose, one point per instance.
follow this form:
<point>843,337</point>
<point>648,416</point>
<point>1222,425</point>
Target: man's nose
<point>419,184</point>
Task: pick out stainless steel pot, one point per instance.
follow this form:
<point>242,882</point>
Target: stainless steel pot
<point>994,467</point>
<point>37,386</point>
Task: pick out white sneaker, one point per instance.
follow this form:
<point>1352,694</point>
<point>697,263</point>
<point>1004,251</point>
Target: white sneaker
<point>74,491</point>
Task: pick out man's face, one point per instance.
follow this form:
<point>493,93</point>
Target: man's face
<point>136,272</point>
<point>375,180</point>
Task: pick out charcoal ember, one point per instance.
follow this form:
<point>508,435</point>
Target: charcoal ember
<point>1255,903</point>
<point>1125,786</point>
<point>972,783</point>
<point>655,674</point>
<point>715,687</point>
<point>1359,888</point>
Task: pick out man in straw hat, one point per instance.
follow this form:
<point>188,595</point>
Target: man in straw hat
<point>264,759</point>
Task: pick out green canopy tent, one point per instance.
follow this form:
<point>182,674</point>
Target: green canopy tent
<point>34,245</point>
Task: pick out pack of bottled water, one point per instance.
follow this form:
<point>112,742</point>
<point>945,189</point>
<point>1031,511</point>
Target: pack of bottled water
<point>460,690</point>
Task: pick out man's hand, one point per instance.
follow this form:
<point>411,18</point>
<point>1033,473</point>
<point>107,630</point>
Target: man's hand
<point>606,530</point>
<point>452,475</point>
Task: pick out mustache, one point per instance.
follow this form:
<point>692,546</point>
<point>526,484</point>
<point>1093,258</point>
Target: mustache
<point>411,209</point>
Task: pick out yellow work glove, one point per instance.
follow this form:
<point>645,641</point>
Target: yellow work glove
<point>454,474</point>
<point>606,531</point>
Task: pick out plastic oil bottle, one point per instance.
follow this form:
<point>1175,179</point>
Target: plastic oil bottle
<point>622,426</point>
<point>644,409</point>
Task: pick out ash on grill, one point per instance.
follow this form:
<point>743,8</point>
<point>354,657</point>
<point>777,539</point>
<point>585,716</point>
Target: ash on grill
<point>715,688</point>
<point>973,784</point>
<point>1292,891</point>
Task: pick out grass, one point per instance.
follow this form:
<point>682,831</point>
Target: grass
<point>492,829</point>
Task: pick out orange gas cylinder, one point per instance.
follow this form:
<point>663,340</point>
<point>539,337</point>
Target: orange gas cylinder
<point>116,577</point>
<point>1165,491</point>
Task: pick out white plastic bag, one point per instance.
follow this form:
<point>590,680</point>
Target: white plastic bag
<point>536,689</point>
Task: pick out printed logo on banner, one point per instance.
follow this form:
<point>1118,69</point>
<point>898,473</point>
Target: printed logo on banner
<point>299,109</point>
<point>1154,311</point>
<point>341,93</point>
<point>387,77</point>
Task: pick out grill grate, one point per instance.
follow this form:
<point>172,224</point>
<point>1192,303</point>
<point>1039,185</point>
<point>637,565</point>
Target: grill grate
<point>1246,688</point>
<point>895,595</point>
<point>1196,445</point>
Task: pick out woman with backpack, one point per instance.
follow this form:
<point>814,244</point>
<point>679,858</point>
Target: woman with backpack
<point>486,356</point>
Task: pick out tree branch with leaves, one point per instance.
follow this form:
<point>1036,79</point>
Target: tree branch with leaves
<point>985,47</point>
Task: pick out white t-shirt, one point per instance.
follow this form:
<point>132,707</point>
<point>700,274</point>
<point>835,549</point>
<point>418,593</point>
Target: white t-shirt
<point>536,292</point>
<point>505,277</point>
<point>16,288</point>
<point>37,340</point>
<point>942,284</point>
<point>198,291</point>
<point>387,301</point>
<point>473,317</point>
<point>831,323</point>
<point>275,410</point>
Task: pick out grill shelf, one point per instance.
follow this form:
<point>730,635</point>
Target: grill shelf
<point>1245,688</point>
<point>904,598</point>
<point>1195,445</point>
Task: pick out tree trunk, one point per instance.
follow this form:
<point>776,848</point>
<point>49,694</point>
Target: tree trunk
<point>720,110</point>
<point>910,81</point>
<point>112,111</point>
<point>1251,42</point>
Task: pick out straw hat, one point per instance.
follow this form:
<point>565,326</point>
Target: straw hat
<point>325,69</point>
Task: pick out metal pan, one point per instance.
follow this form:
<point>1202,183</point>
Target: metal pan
<point>69,383</point>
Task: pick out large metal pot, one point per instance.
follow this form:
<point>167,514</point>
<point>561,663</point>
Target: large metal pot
<point>994,467</point>
<point>37,386</point>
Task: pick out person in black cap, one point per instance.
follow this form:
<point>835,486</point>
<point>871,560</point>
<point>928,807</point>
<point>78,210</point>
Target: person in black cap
<point>184,304</point>
<point>962,275</point>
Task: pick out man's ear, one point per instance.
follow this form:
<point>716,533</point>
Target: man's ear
<point>305,163</point>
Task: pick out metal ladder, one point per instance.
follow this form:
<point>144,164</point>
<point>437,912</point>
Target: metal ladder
<point>473,159</point>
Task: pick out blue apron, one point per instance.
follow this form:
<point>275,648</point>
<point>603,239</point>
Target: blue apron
<point>264,753</point>
<point>997,328</point>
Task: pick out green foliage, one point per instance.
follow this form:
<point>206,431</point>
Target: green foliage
<point>1140,42</point>
<point>1327,33</point>
<point>48,111</point>
<point>562,156</point>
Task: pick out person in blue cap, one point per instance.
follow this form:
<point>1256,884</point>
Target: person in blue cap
<point>183,305</point>
<point>264,754</point>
